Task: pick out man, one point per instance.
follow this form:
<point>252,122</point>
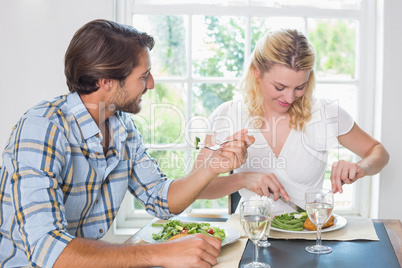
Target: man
<point>69,162</point>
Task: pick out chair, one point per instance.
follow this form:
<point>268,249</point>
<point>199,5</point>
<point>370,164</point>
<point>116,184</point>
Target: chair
<point>234,200</point>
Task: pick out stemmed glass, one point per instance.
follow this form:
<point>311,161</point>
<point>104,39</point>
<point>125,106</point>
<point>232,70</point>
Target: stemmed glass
<point>255,216</point>
<point>264,243</point>
<point>319,206</point>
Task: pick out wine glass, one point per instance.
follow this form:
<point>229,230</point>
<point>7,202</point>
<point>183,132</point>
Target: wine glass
<point>319,205</point>
<point>264,243</point>
<point>255,216</point>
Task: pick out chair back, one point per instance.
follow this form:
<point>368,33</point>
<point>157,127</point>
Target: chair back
<point>234,200</point>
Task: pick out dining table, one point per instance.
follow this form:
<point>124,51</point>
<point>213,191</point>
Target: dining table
<point>380,248</point>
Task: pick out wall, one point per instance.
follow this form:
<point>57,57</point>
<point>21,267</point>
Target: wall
<point>390,197</point>
<point>34,35</point>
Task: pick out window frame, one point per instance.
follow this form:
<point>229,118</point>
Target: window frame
<point>364,78</point>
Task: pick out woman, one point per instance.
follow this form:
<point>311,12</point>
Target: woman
<point>293,130</point>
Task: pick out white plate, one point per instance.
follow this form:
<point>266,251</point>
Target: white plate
<point>339,223</point>
<point>232,234</point>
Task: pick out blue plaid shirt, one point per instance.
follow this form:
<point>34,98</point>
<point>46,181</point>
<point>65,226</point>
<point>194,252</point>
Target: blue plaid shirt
<point>57,184</point>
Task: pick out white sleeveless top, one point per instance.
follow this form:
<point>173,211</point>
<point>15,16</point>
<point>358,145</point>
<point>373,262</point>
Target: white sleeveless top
<point>303,159</point>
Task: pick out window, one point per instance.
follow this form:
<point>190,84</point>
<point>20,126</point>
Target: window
<point>199,57</point>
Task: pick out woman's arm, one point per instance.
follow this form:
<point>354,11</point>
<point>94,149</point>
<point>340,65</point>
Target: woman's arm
<point>260,183</point>
<point>373,154</point>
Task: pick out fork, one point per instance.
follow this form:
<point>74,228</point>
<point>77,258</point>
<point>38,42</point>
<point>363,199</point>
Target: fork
<point>217,146</point>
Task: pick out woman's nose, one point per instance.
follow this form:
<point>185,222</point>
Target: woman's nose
<point>289,95</point>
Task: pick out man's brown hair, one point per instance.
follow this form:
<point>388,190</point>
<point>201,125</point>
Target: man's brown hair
<point>103,49</point>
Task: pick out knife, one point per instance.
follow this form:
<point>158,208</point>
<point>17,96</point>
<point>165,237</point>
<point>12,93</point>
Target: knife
<point>290,204</point>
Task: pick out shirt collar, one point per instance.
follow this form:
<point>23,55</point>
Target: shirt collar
<point>88,126</point>
<point>119,127</point>
<point>85,121</point>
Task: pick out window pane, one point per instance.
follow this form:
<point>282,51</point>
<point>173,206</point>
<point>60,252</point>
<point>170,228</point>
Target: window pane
<point>342,201</point>
<point>220,203</point>
<point>162,119</point>
<point>345,94</point>
<point>218,46</point>
<point>335,44</point>
<point>207,97</point>
<point>197,126</point>
<point>260,25</point>
<point>327,4</point>
<point>172,163</point>
<point>217,50</point>
<point>169,54</point>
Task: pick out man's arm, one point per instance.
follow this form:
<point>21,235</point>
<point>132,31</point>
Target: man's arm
<point>183,191</point>
<point>33,160</point>
<point>190,251</point>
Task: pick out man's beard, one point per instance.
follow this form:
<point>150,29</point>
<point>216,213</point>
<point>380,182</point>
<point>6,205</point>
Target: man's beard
<point>121,102</point>
<point>133,107</point>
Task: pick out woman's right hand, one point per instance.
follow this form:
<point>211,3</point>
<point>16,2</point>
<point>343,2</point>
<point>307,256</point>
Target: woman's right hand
<point>264,184</point>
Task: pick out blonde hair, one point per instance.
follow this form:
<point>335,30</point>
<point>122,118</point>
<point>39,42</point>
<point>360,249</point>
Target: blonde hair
<point>291,49</point>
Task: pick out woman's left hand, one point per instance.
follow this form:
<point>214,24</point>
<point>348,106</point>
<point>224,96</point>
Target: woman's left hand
<point>344,172</point>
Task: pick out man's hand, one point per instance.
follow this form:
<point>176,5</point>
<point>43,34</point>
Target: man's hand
<point>231,155</point>
<point>183,191</point>
<point>197,250</point>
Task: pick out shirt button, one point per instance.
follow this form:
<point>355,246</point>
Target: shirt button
<point>97,201</point>
<point>101,231</point>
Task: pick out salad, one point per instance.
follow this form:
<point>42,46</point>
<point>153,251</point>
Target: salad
<point>175,227</point>
<point>293,221</point>
<point>196,141</point>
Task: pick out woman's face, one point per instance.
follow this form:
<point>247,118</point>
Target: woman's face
<point>281,86</point>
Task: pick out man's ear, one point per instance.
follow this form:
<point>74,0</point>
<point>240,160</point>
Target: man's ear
<point>105,84</point>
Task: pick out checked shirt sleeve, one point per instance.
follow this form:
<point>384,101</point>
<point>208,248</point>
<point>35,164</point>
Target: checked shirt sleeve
<point>35,157</point>
<point>148,183</point>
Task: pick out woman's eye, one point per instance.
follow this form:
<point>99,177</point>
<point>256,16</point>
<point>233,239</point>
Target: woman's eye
<point>299,88</point>
<point>279,89</point>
